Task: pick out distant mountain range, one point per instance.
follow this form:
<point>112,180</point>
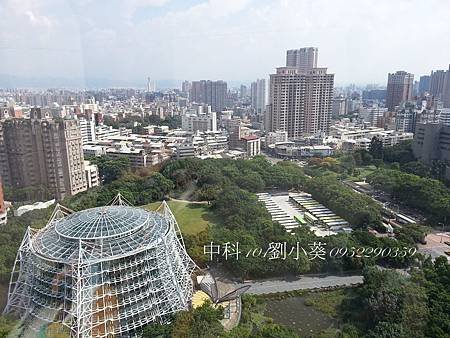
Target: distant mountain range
<point>12,81</point>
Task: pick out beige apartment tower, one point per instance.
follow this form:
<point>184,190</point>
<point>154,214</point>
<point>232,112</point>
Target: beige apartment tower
<point>213,93</point>
<point>304,59</point>
<point>399,89</point>
<point>300,103</point>
<point>43,153</point>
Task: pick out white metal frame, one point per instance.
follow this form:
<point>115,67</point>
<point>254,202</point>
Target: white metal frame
<point>100,287</point>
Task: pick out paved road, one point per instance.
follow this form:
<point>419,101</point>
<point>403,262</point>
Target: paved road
<point>435,245</point>
<point>303,283</point>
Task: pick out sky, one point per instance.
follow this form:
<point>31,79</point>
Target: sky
<point>126,41</point>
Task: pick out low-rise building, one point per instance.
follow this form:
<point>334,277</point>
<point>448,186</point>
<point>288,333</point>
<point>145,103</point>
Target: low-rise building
<point>278,136</point>
<point>350,136</point>
<point>202,144</point>
<point>292,150</point>
<point>92,175</point>
<point>93,150</point>
<point>137,157</point>
<point>184,150</point>
<point>252,145</point>
<point>104,132</point>
<point>199,122</point>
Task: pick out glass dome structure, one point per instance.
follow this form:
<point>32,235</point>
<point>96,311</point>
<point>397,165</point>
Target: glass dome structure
<point>101,272</point>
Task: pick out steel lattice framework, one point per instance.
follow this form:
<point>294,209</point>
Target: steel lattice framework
<point>102,272</point>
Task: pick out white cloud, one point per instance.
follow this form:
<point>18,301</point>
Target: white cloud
<point>38,20</point>
<point>152,3</point>
<point>359,40</point>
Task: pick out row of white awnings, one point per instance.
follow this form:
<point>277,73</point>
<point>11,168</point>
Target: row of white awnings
<point>277,213</point>
<point>324,215</point>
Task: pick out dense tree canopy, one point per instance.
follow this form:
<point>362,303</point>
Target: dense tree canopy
<point>401,153</point>
<point>202,322</point>
<point>425,194</point>
<point>253,175</point>
<point>391,304</point>
<point>376,148</point>
<point>110,169</point>
<point>137,123</point>
<point>386,303</point>
<point>358,209</point>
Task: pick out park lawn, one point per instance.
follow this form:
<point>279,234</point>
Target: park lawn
<point>364,171</point>
<point>192,218</point>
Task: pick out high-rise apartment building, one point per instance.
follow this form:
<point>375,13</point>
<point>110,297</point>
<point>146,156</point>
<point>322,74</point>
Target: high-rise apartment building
<point>444,117</point>
<point>151,85</point>
<point>405,118</point>
<point>300,103</point>
<point>186,87</point>
<point>43,153</point>
<point>440,86</point>
<point>437,82</point>
<point>446,91</point>
<point>304,59</point>
<point>243,91</point>
<point>399,89</point>
<point>213,93</point>
<point>258,96</point>
<point>424,84</point>
<point>339,106</point>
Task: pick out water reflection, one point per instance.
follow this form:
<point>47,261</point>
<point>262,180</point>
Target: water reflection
<point>294,313</point>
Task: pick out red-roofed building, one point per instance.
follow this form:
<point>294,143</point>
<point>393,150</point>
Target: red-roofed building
<point>252,145</point>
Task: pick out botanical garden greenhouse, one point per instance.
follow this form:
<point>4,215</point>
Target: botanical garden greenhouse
<point>101,272</point>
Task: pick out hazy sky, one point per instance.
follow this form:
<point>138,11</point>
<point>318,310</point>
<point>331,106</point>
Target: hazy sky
<point>358,40</point>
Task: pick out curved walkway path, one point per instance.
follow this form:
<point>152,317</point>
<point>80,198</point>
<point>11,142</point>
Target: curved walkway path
<point>301,283</point>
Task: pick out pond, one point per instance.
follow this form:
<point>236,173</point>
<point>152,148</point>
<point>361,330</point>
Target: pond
<point>293,312</point>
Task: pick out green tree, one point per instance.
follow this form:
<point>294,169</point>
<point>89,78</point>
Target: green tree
<point>6,325</point>
<point>438,169</point>
<point>394,304</point>
<point>387,330</point>
<point>110,169</point>
<point>360,210</point>
<point>416,168</point>
<point>428,195</point>
<point>206,322</point>
<point>376,148</point>
<point>401,153</point>
<point>157,331</point>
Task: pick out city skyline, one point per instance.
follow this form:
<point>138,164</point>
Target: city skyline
<point>45,41</point>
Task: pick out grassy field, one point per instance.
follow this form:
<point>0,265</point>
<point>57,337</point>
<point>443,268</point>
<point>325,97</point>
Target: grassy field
<point>328,301</point>
<point>364,172</point>
<point>192,218</point>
